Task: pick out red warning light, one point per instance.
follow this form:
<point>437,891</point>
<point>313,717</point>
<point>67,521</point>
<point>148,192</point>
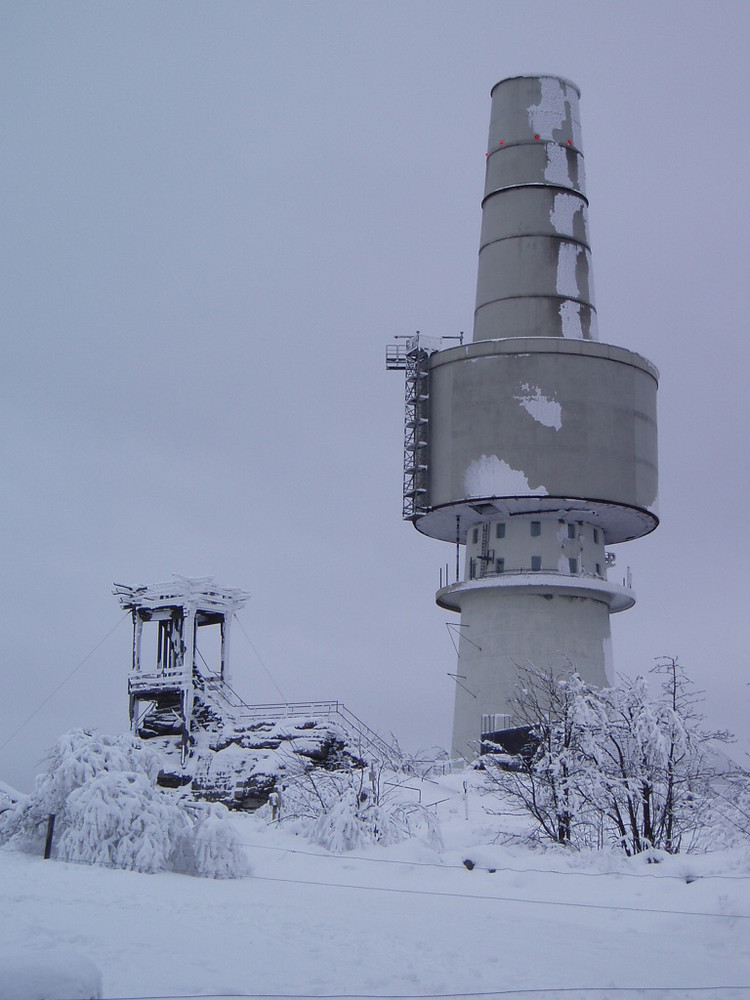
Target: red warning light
<point>570,142</point>
<point>502,141</point>
<point>536,136</point>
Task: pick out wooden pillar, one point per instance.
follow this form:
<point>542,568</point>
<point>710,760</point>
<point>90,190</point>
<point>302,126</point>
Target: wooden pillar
<point>225,623</point>
<point>137,632</point>
<point>187,649</point>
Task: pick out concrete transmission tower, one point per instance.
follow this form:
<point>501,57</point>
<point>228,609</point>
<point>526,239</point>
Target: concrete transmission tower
<point>535,445</point>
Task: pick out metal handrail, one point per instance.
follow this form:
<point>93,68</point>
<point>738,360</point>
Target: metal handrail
<point>282,710</point>
<point>316,709</point>
<point>527,571</point>
<point>369,735</point>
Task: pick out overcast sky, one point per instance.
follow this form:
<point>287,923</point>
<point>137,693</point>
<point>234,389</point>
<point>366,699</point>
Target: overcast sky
<point>215,216</point>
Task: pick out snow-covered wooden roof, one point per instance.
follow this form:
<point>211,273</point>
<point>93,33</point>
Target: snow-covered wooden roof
<point>200,593</point>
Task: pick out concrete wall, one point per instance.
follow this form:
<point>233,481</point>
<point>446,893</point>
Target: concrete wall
<point>534,277</point>
<point>516,544</point>
<point>531,418</point>
<point>549,630</point>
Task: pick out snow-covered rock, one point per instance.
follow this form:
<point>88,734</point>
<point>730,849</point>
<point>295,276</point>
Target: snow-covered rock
<point>239,763</point>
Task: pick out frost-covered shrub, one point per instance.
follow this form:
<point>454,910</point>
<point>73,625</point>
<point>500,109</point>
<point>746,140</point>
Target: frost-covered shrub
<point>217,852</point>
<point>122,820</point>
<point>109,811</point>
<point>342,812</point>
<point>77,758</point>
<point>725,820</point>
<point>350,823</point>
<point>8,797</point>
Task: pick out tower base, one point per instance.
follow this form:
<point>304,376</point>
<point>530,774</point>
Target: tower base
<point>506,630</point>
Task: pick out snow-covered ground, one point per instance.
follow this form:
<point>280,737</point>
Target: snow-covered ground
<point>406,920</point>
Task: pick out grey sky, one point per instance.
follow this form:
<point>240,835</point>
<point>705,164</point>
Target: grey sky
<point>214,217</point>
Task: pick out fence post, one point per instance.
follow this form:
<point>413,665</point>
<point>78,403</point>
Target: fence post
<point>50,831</point>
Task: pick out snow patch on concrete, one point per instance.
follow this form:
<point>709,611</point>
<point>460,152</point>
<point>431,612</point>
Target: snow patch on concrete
<point>543,409</point>
<point>581,174</point>
<point>490,476</point>
<point>574,122</point>
<point>556,171</point>
<point>549,114</point>
<point>570,316</point>
<point>594,328</point>
<point>563,212</point>
<point>566,269</point>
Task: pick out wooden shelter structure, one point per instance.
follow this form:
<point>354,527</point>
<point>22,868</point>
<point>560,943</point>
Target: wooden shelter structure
<point>168,620</point>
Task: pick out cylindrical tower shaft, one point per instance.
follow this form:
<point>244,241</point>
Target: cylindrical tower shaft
<point>534,256</point>
<point>537,444</point>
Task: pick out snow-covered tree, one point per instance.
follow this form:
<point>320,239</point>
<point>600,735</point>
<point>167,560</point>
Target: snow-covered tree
<point>613,763</point>
<point>78,756</point>
<point>546,779</point>
<point>731,805</point>
<point>108,810</point>
<point>121,820</point>
<point>652,779</point>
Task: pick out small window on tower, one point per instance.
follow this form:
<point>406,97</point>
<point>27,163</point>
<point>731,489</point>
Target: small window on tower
<point>596,536</point>
<point>536,563</point>
<point>499,531</point>
<point>475,535</point>
<point>472,569</point>
<point>573,565</point>
<point>536,529</point>
<point>571,531</point>
<point>499,565</point>
<point>598,569</point>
